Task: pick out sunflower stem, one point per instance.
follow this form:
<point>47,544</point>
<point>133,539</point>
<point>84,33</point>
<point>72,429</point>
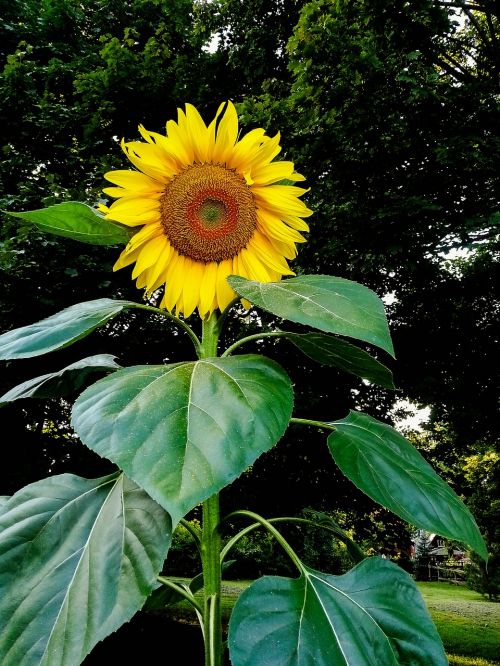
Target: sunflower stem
<point>211,542</point>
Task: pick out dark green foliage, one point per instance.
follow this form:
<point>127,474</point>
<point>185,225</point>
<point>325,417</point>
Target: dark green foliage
<point>485,577</point>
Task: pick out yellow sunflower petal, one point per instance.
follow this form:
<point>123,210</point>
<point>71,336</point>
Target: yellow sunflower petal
<point>246,149</point>
<point>267,152</point>
<point>175,278</point>
<point>255,269</point>
<point>126,258</point>
<point>224,292</point>
<point>198,132</point>
<point>279,202</point>
<point>148,255</point>
<point>267,255</point>
<point>157,273</point>
<point>191,288</point>
<point>273,227</point>
<point>134,181</point>
<point>134,210</point>
<point>288,250</point>
<point>272,173</point>
<point>208,289</point>
<point>227,133</point>
<point>149,159</point>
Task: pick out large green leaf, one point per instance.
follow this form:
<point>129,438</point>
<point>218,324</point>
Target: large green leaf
<point>330,304</point>
<point>185,431</point>
<point>62,383</point>
<point>78,558</point>
<point>61,329</point>
<point>372,615</point>
<point>385,466</point>
<point>75,220</point>
<point>329,350</point>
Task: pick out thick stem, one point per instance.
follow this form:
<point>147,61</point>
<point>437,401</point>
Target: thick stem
<point>210,537</point>
<point>210,555</point>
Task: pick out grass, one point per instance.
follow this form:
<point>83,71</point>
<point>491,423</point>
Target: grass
<point>468,625</point>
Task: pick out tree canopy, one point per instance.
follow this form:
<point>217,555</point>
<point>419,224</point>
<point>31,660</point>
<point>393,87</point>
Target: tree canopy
<point>390,109</point>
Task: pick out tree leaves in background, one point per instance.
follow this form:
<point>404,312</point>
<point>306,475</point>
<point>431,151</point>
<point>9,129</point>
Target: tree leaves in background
<point>62,383</point>
<point>79,222</point>
<point>61,329</point>
<point>328,350</point>
<point>358,619</point>
<point>61,596</point>
<point>385,466</point>
<point>331,304</point>
<point>185,431</point>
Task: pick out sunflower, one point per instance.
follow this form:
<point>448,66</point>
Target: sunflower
<point>208,206</point>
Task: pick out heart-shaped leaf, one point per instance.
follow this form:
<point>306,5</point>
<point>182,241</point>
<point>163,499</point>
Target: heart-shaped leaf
<point>185,431</point>
<point>385,466</point>
<point>78,558</point>
<point>329,350</point>
<point>77,221</point>
<point>374,614</point>
<point>62,383</point>
<point>330,304</point>
<point>61,329</point>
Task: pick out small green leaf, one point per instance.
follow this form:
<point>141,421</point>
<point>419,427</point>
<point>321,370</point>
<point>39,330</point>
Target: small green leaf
<point>185,431</point>
<point>78,558</point>
<point>62,383</point>
<point>374,614</point>
<point>330,304</point>
<point>328,350</point>
<point>61,329</point>
<point>75,220</point>
<point>385,466</point>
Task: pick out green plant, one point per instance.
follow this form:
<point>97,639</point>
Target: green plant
<point>79,557</point>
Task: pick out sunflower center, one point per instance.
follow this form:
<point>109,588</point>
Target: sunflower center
<point>208,212</point>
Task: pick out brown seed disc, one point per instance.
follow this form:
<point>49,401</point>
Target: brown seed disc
<point>208,212</point>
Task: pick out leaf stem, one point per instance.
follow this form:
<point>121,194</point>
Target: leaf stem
<point>256,336</point>
<point>354,550</point>
<point>180,590</point>
<point>270,528</point>
<point>182,324</point>
<point>193,531</point>
<point>319,424</point>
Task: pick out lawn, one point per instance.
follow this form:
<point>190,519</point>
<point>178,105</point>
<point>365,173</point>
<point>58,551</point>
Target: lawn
<point>468,625</point>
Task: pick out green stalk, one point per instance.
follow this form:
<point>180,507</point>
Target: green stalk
<point>210,537</point>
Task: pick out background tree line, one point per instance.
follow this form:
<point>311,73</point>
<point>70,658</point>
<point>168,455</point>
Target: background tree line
<point>391,110</point>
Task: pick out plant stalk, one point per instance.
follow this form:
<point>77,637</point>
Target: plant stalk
<point>211,542</point>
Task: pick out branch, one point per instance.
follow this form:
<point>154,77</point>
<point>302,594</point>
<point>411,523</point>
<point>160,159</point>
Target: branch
<point>457,74</point>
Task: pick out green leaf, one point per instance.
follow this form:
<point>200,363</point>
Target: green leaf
<point>78,558</point>
<point>328,350</point>
<point>330,304</point>
<point>62,383</point>
<point>374,614</point>
<point>3,501</point>
<point>61,329</point>
<point>75,220</point>
<point>385,466</point>
<point>185,431</point>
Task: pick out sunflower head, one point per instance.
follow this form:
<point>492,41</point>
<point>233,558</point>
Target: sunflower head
<point>206,206</point>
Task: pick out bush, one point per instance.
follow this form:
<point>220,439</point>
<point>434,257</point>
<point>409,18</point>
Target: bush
<point>483,578</point>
